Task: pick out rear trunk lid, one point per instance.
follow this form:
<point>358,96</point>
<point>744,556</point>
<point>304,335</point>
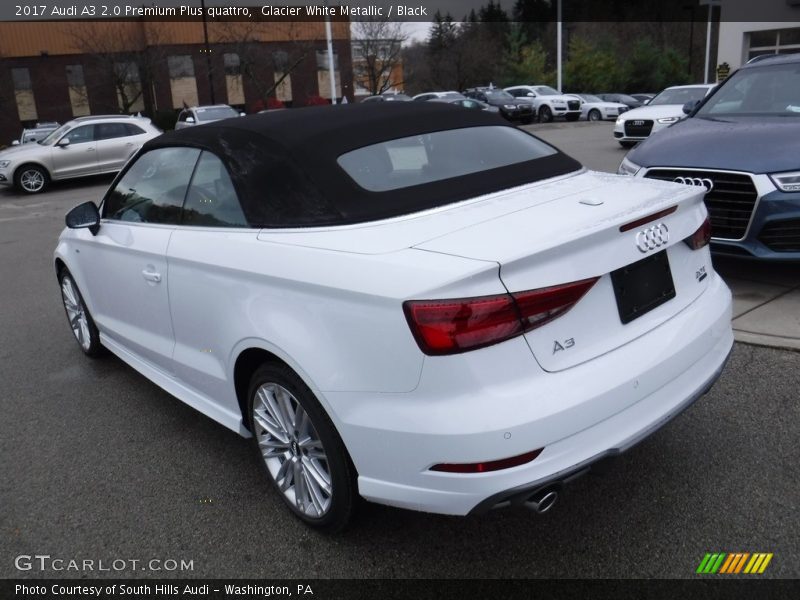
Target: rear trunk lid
<point>576,235</point>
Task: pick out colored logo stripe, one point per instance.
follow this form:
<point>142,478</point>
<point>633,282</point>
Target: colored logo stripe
<point>733,563</point>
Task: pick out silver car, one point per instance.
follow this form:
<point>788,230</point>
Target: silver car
<point>197,115</point>
<point>83,146</point>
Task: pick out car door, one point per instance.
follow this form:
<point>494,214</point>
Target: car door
<point>114,146</point>
<point>76,158</point>
<point>129,262</point>
<point>204,279</point>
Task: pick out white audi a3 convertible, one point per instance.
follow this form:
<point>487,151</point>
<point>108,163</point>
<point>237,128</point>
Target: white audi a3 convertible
<point>409,302</point>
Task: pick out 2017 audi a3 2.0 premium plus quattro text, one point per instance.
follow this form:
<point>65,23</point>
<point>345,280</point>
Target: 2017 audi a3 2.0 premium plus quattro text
<point>416,304</point>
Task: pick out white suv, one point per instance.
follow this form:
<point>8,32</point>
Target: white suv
<point>549,102</point>
<point>83,146</point>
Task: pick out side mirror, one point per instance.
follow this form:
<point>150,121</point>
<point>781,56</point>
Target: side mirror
<point>531,95</point>
<point>690,106</point>
<point>15,143</point>
<point>646,101</point>
<point>190,119</point>
<point>84,216</point>
<point>63,142</point>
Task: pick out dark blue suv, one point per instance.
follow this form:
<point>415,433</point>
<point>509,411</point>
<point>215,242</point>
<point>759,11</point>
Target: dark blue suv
<point>742,143</point>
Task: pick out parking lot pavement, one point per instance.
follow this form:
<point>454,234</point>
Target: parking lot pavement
<point>99,463</point>
<point>766,297</point>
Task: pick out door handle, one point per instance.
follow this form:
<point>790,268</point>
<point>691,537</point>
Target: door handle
<point>153,276</point>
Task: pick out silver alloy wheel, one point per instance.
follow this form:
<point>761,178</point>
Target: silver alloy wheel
<point>76,312</point>
<point>292,450</point>
<point>32,180</point>
<point>594,115</point>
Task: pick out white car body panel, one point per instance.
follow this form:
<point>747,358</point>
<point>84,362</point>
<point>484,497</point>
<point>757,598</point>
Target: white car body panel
<point>607,110</point>
<point>328,301</point>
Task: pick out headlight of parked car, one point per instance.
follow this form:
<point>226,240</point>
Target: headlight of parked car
<point>627,167</point>
<point>510,106</point>
<point>620,121</point>
<point>785,182</point>
<point>4,163</point>
<point>668,119</point>
<point>559,102</point>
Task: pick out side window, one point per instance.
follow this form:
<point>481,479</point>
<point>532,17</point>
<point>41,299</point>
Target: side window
<point>80,135</point>
<point>212,199</point>
<point>153,189</point>
<point>183,115</point>
<point>133,129</point>
<point>107,131</point>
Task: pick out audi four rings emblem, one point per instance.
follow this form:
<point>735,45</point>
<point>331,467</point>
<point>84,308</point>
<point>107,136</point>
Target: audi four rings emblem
<point>652,237</point>
<point>637,123</point>
<point>696,181</point>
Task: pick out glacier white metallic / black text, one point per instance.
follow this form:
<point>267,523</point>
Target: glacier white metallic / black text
<point>407,302</point>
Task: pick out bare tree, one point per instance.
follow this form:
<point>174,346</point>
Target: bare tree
<point>245,39</point>
<point>377,57</point>
<point>123,55</point>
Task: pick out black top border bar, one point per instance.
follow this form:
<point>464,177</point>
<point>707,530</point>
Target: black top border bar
<point>783,11</point>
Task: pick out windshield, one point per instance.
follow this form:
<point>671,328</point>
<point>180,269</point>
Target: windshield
<point>589,98</point>
<point>499,95</point>
<point>54,136</point>
<point>679,96</point>
<point>215,114</point>
<point>762,91</point>
<point>546,90</point>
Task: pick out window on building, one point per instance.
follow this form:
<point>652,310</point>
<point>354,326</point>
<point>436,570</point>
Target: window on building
<point>75,77</point>
<point>280,60</point>
<point>322,60</point>
<point>233,65</point>
<point>180,66</point>
<point>22,79</point>
<point>23,94</point>
<point>773,41</point>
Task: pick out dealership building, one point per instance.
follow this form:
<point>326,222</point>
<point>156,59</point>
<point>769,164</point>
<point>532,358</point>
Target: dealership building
<point>57,70</point>
<point>776,32</point>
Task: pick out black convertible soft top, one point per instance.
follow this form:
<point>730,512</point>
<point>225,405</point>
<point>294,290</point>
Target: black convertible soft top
<point>284,163</point>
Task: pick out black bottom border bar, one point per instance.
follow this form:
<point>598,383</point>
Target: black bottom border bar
<point>707,587</point>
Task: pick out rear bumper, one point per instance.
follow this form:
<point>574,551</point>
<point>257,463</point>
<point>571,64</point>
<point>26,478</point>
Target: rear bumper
<point>496,403</point>
<point>517,496</point>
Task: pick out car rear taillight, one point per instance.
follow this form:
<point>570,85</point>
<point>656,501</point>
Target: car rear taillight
<point>701,237</point>
<point>453,326</point>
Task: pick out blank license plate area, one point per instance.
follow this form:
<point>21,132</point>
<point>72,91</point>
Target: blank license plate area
<point>642,286</point>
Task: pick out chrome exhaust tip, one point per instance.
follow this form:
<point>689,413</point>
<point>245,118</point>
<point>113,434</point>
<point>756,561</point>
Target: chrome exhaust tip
<point>542,501</point>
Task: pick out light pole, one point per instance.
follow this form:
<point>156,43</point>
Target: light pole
<point>558,46</point>
<point>207,51</point>
<point>711,5</point>
<point>328,37</point>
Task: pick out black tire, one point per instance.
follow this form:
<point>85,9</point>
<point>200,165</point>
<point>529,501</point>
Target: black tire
<point>545,114</point>
<point>31,179</point>
<point>343,488</point>
<point>594,115</point>
<point>628,144</point>
<point>572,117</point>
<point>88,337</point>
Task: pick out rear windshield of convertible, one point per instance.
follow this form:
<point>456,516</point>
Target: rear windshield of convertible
<point>429,157</point>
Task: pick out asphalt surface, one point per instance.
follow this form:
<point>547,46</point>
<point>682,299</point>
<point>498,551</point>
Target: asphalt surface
<point>100,464</point>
